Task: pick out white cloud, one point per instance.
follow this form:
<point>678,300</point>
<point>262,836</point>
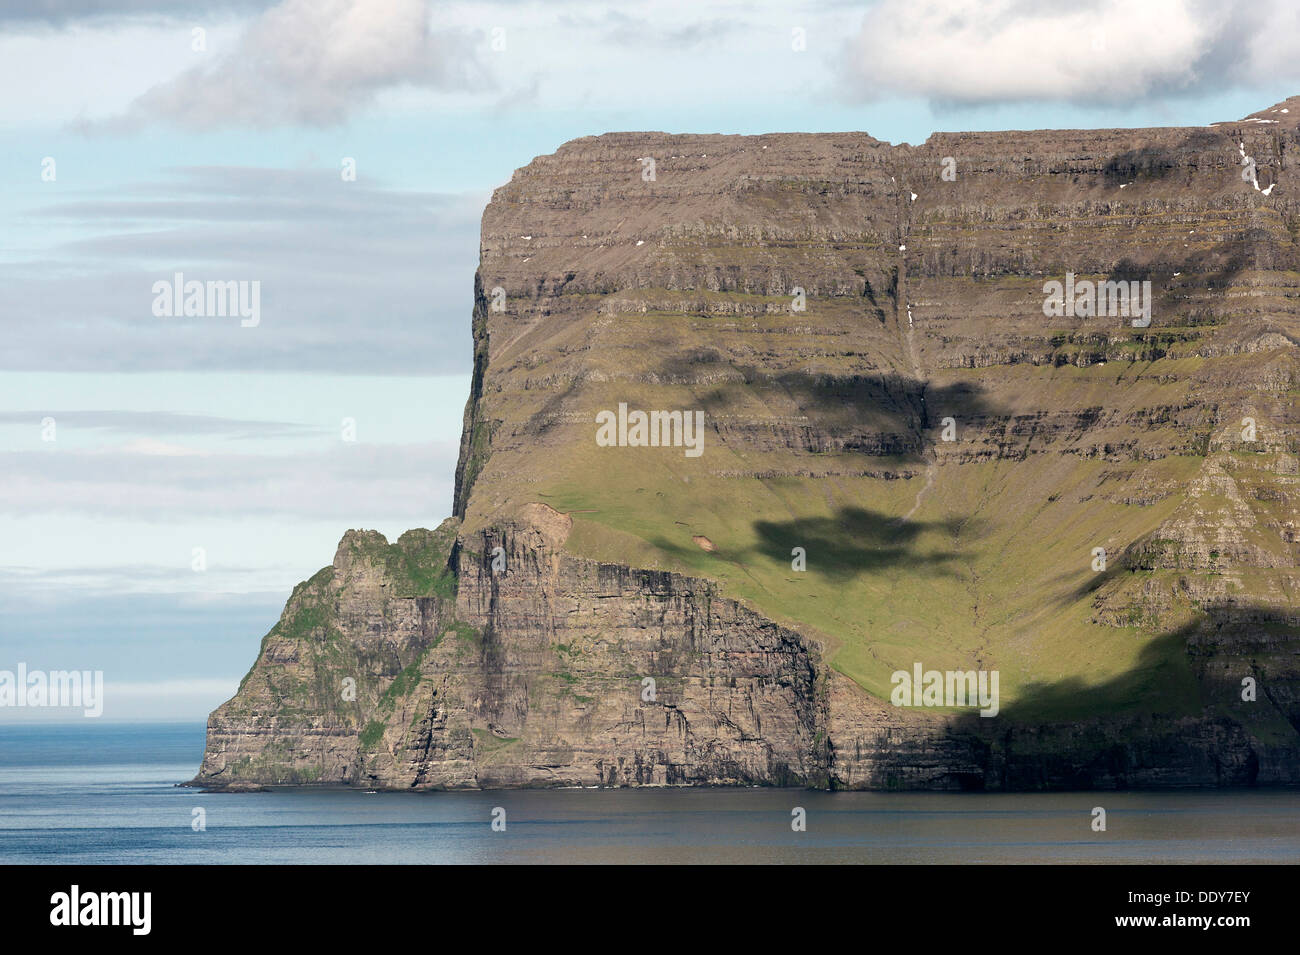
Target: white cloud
<point>1094,51</point>
<point>314,62</point>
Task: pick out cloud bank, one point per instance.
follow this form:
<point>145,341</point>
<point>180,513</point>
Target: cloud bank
<point>964,52</point>
<point>353,278</point>
<point>314,63</point>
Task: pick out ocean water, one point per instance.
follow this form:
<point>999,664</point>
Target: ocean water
<point>88,794</point>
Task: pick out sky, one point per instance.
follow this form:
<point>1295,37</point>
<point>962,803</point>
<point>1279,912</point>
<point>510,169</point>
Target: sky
<point>165,479</point>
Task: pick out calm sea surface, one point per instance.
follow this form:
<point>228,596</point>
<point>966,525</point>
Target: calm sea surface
<point>107,794</point>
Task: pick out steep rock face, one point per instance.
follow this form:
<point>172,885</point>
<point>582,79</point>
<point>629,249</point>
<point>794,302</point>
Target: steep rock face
<point>1103,512</point>
<point>534,674</point>
<point>540,678</point>
<point>610,280</point>
<point>565,648</point>
<point>325,669</point>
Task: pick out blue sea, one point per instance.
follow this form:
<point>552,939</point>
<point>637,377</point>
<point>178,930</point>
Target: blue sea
<point>104,793</point>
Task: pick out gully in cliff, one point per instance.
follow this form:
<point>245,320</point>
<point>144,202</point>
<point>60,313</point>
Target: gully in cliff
<point>655,429</point>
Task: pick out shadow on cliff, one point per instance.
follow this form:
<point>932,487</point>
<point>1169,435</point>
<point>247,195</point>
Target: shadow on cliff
<point>852,542</point>
<point>857,540</point>
<point>1182,673</point>
<point>1162,160</point>
<point>1149,162</point>
<point>877,414</point>
<point>1130,729</point>
<point>1137,556</point>
<point>1202,271</point>
<point>1164,264</point>
<point>909,402</point>
<point>1091,581</point>
<point>881,415</point>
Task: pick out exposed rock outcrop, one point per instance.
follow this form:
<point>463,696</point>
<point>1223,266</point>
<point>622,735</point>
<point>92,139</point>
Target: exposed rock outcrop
<point>1102,510</point>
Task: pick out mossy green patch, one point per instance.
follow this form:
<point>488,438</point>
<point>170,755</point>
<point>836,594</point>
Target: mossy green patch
<point>372,734</point>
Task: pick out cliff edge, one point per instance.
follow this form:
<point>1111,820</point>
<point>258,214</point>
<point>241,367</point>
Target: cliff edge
<point>758,423</point>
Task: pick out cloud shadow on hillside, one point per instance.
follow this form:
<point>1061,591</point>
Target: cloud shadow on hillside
<point>879,414</point>
<point>858,540</point>
<point>1074,734</point>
